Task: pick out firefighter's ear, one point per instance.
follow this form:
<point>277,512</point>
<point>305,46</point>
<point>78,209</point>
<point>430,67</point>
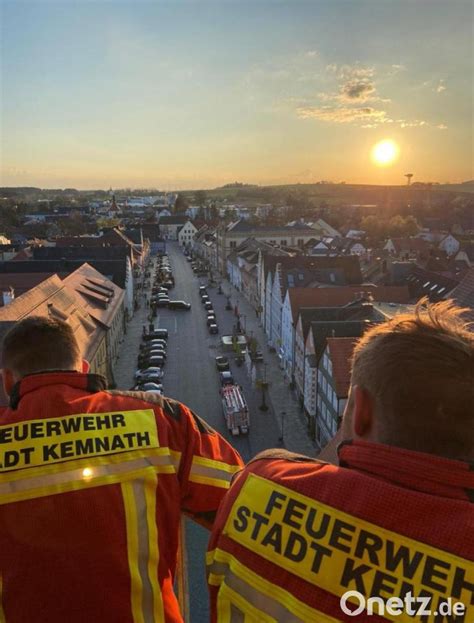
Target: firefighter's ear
<point>362,412</point>
<point>86,366</point>
<point>8,381</point>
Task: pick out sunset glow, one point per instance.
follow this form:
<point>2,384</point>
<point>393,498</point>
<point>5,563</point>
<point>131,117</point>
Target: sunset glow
<point>385,153</point>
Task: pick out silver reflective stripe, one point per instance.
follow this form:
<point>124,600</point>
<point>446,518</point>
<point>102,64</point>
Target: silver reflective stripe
<point>259,600</point>
<point>85,473</point>
<point>210,472</point>
<point>138,487</point>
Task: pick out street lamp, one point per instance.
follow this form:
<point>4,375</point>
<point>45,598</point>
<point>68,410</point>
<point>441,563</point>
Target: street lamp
<point>264,386</point>
<point>282,436</point>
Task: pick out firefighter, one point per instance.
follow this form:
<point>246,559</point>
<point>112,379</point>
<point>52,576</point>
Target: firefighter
<point>387,532</point>
<point>92,487</point>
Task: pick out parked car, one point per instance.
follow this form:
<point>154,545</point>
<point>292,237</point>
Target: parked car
<point>147,374</point>
<point>211,319</point>
<point>162,302</point>
<point>204,297</point>
<point>256,356</point>
<point>157,361</point>
<point>222,363</point>
<point>179,305</point>
<point>149,358</point>
<point>226,378</point>
<point>202,290</point>
<point>149,387</point>
<point>208,305</point>
<point>213,328</point>
<point>152,344</point>
<point>156,334</point>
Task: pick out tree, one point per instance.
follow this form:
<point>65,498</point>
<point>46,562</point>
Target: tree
<point>200,198</point>
<point>181,204</point>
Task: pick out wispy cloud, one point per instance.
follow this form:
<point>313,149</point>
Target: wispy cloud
<point>357,85</point>
<point>441,87</point>
<point>341,114</point>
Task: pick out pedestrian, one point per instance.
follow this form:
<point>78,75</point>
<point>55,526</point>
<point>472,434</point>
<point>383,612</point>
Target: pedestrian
<point>296,537</point>
<point>93,484</point>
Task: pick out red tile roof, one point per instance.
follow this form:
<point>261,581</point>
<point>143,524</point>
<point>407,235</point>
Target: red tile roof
<point>341,295</point>
<point>340,352</point>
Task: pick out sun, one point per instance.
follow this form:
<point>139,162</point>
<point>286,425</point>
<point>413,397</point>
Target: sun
<point>385,152</point>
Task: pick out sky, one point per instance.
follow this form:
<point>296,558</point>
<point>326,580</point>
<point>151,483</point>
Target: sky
<point>196,94</point>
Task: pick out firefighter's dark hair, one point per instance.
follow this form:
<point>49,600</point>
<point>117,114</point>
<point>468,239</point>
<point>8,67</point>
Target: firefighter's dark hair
<point>419,370</point>
<point>37,344</point>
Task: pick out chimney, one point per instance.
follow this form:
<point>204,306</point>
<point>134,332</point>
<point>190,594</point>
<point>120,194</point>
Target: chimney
<point>8,296</point>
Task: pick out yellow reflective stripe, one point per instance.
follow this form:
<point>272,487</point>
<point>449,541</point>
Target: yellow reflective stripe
<point>86,476</point>
<point>212,482</point>
<point>220,465</point>
<point>210,472</point>
<point>91,462</point>
<point>225,570</point>
<point>136,587</point>
<point>154,555</point>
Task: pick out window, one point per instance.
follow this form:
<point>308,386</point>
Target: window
<point>325,385</point>
<point>426,284</point>
<point>300,242</point>
<point>329,366</point>
<point>284,243</point>
<point>233,244</point>
<point>332,277</point>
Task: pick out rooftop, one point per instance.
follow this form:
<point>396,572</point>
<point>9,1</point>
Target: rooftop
<point>340,350</point>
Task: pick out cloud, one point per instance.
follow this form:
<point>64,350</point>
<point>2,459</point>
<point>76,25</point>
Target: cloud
<point>351,72</point>
<point>442,126</point>
<point>342,114</point>
<point>441,87</point>
<point>311,53</point>
<point>359,90</point>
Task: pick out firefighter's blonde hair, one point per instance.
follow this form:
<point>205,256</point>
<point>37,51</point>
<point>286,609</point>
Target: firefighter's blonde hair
<point>419,370</point>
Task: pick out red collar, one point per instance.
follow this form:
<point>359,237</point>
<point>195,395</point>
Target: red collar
<point>415,470</point>
<point>32,382</point>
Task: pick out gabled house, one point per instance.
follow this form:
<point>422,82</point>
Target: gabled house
<point>361,309</point>
<point>186,235</point>
<point>171,225</point>
<point>450,245</point>
<point>316,342</point>
<point>332,388</point>
<point>104,302</point>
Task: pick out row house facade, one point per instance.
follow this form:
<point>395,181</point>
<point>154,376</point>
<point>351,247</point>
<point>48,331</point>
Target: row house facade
<point>230,236</point>
<point>332,387</point>
<point>355,298</point>
<point>316,342</point>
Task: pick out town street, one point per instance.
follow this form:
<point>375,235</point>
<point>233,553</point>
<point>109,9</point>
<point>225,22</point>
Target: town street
<point>191,377</point>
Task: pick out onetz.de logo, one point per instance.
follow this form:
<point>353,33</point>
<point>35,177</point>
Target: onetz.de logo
<point>354,603</point>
